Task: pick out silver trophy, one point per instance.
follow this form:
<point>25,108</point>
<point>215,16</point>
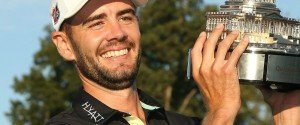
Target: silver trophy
<point>273,55</point>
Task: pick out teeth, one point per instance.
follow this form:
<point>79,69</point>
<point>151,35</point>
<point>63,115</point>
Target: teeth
<point>114,53</point>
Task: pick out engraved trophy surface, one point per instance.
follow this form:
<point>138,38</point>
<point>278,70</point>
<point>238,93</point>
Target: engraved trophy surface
<point>273,54</point>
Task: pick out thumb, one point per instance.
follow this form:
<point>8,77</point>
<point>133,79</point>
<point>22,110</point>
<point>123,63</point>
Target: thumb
<point>267,93</point>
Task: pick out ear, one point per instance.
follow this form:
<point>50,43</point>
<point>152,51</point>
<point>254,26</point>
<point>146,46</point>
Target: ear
<point>63,45</point>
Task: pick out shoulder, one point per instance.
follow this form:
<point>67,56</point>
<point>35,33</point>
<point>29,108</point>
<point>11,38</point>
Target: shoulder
<point>67,117</point>
<point>178,119</point>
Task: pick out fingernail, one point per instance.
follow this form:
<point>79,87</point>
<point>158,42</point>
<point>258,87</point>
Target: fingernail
<point>202,34</point>
<point>219,26</point>
<point>235,32</point>
<point>246,38</point>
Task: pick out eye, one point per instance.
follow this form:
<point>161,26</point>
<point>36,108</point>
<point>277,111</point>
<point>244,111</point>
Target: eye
<point>96,25</point>
<point>127,19</point>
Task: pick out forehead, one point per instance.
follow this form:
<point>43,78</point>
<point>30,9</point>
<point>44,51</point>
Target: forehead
<point>94,7</point>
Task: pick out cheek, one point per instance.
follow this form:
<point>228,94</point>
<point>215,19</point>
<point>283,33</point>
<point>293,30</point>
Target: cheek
<point>134,33</point>
<point>89,43</point>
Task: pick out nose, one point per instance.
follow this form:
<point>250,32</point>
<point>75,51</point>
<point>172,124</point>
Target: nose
<point>116,32</point>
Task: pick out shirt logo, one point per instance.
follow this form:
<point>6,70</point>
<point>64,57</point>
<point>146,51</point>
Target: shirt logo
<point>55,14</point>
<point>94,115</point>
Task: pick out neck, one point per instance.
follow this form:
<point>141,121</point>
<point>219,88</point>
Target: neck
<point>126,100</point>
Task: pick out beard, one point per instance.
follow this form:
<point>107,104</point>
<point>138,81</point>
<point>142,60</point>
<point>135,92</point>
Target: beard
<point>112,79</point>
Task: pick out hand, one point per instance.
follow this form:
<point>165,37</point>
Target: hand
<point>216,76</point>
<point>285,106</point>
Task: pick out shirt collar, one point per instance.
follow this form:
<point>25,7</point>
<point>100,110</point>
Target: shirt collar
<point>89,108</point>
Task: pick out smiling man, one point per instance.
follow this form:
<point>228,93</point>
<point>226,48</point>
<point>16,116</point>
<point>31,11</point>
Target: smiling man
<point>102,38</point>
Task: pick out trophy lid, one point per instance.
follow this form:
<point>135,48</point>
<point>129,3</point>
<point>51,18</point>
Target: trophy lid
<point>265,7</point>
<point>261,21</point>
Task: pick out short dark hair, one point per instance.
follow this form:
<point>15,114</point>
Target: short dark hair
<point>66,27</point>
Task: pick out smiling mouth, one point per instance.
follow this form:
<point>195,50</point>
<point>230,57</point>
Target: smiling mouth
<point>116,53</point>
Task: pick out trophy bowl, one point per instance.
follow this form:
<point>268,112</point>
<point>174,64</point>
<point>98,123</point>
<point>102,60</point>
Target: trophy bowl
<point>272,57</point>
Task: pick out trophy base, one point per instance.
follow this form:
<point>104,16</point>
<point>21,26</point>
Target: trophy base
<point>279,71</point>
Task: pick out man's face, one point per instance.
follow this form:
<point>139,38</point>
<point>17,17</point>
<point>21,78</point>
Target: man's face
<point>105,39</point>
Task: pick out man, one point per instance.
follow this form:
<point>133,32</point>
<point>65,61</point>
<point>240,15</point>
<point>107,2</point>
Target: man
<point>102,38</point>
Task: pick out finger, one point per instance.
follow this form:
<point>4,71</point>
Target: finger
<point>266,92</point>
<point>197,54</point>
<point>237,52</point>
<point>225,45</point>
<point>210,45</point>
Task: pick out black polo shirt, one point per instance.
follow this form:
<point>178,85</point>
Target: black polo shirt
<point>87,110</point>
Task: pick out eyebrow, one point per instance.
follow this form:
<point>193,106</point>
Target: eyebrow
<point>96,17</point>
<point>125,11</point>
<point>103,15</point>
